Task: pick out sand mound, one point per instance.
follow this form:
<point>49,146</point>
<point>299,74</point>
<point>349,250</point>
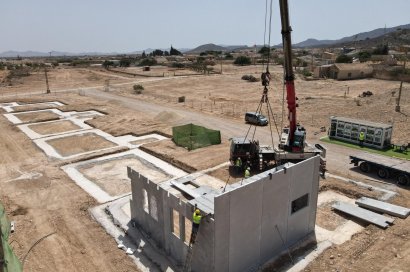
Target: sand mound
<point>167,116</point>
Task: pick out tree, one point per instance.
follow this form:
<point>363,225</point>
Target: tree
<point>107,63</point>
<point>364,56</point>
<point>157,52</point>
<point>147,62</point>
<point>228,56</point>
<point>381,49</point>
<point>242,60</point>
<point>344,59</point>
<point>174,52</point>
<point>264,50</point>
<point>125,62</point>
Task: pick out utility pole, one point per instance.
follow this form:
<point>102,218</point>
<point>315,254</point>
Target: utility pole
<point>401,82</point>
<point>398,98</point>
<point>48,87</point>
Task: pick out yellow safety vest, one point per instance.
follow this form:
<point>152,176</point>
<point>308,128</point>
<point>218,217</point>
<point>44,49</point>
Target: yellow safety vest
<point>196,218</point>
<point>247,173</point>
<point>361,136</point>
<point>238,162</point>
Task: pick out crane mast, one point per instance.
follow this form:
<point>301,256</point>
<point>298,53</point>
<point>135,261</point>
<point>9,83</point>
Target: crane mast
<point>296,136</point>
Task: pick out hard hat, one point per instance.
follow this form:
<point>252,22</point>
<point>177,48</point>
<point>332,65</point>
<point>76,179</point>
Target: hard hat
<point>197,211</point>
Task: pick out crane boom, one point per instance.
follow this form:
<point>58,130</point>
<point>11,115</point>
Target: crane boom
<point>295,145</point>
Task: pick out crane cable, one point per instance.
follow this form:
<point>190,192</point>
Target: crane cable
<point>266,99</point>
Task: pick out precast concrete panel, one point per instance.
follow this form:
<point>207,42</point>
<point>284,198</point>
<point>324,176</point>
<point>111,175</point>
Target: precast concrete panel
<point>314,194</point>
<point>301,184</point>
<point>203,253</point>
<point>274,210</point>
<point>222,229</point>
<point>245,227</point>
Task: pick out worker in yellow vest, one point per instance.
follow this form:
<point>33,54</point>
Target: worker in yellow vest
<point>247,172</point>
<point>196,220</point>
<point>361,138</point>
<point>238,165</point>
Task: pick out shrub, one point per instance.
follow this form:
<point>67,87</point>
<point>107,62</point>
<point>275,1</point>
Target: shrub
<point>344,59</point>
<point>253,79</point>
<point>147,62</point>
<point>250,78</point>
<point>228,56</point>
<point>138,88</point>
<point>306,73</point>
<point>242,60</point>
<point>177,65</point>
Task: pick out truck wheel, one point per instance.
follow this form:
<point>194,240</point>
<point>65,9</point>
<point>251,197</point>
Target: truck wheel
<point>383,173</point>
<point>365,167</point>
<point>403,179</point>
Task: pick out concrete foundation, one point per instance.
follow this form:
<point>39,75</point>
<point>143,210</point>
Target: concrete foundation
<point>96,183</point>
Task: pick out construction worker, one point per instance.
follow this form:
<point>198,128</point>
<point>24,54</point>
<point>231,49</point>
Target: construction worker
<point>361,138</point>
<point>247,172</point>
<point>196,220</point>
<point>238,165</point>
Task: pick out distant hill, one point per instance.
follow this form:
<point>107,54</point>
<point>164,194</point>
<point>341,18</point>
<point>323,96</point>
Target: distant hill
<point>206,47</point>
<point>395,38</point>
<point>357,37</point>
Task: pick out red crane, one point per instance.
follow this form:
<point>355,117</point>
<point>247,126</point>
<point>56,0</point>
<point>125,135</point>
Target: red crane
<point>296,135</point>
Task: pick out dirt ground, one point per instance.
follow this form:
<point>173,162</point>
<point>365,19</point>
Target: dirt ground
<point>41,116</point>
<point>53,203</point>
<point>32,107</point>
<point>54,127</point>
<point>76,144</point>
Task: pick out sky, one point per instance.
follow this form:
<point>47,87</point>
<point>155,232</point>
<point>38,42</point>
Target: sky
<point>131,25</point>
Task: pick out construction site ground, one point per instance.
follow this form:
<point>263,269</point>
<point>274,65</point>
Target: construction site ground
<point>42,199</point>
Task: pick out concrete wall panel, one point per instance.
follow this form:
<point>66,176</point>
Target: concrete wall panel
<point>301,184</point>
<point>275,209</point>
<point>222,228</point>
<point>314,194</point>
<point>245,227</point>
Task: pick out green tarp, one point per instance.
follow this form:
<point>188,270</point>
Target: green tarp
<point>10,261</point>
<point>192,136</point>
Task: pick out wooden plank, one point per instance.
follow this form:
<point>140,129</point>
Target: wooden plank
<point>380,206</point>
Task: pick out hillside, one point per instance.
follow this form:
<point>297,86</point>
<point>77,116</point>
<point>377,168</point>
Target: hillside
<point>207,47</point>
<point>356,37</point>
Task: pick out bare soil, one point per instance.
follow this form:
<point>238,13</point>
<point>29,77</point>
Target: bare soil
<point>71,145</point>
<point>41,116</point>
<point>190,161</point>
<point>327,218</point>
<point>54,127</point>
<point>51,203</point>
<point>33,107</point>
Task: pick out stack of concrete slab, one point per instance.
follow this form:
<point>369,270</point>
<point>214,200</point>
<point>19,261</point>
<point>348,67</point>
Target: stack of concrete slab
<point>363,214</point>
<point>380,206</point>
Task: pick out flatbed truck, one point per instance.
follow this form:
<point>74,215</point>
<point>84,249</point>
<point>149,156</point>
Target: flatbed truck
<point>385,167</point>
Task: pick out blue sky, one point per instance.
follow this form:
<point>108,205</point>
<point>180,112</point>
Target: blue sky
<point>130,25</point>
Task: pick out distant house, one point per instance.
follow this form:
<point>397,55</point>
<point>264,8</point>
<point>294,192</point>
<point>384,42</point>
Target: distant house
<point>329,56</point>
<point>346,71</point>
<point>322,71</point>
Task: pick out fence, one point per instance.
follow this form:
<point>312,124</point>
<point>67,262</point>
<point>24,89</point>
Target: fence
<point>193,137</point>
<point>8,260</point>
